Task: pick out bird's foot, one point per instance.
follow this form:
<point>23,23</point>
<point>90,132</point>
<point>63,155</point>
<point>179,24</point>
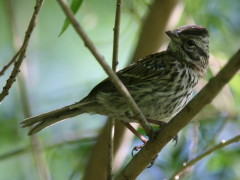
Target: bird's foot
<point>137,148</point>
<point>175,139</point>
<point>153,161</point>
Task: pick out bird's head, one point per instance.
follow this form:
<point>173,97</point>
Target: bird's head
<point>190,44</point>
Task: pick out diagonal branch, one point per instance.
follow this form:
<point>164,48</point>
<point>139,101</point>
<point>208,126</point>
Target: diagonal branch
<point>141,160</point>
<point>20,55</point>
<point>201,156</point>
<point>113,77</point>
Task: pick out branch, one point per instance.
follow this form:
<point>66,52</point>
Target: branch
<point>36,146</point>
<point>116,35</point>
<point>35,143</point>
<point>113,77</point>
<point>141,160</point>
<point>116,30</point>
<point>15,152</point>
<point>110,138</point>
<point>9,10</point>
<point>20,55</point>
<point>186,165</point>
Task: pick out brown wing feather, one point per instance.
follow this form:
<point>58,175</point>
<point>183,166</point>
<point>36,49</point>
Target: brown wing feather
<point>137,72</point>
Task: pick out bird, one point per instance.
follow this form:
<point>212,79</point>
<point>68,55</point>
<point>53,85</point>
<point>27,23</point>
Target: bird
<point>161,83</point>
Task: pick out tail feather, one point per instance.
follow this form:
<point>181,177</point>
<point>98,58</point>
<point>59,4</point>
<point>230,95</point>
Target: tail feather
<point>41,121</point>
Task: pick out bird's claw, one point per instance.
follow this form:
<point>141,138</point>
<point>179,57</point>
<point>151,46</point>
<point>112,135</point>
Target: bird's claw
<point>137,148</point>
<point>153,161</point>
<point>175,138</point>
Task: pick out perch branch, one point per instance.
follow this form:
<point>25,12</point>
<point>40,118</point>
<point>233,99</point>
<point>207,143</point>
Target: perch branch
<point>141,160</point>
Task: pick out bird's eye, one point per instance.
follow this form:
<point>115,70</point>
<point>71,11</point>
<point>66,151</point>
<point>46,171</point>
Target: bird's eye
<point>191,43</point>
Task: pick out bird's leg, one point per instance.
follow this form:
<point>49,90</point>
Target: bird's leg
<point>142,138</point>
<point>132,117</point>
<point>134,131</point>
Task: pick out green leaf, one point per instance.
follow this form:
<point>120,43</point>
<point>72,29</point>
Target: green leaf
<point>76,4</point>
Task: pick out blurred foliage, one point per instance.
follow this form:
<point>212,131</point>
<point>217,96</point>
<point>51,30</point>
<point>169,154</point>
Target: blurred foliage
<point>60,70</point>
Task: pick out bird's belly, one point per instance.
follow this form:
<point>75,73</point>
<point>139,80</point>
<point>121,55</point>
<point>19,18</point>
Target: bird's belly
<point>164,108</point>
<point>161,106</point>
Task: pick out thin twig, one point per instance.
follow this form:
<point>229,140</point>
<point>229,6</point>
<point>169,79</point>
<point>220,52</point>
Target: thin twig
<point>36,146</point>
<point>22,51</point>
<point>9,10</point>
<point>15,152</point>
<point>9,64</point>
<point>142,159</point>
<point>110,134</point>
<point>188,164</point>
<point>113,77</point>
<point>116,35</point>
<point>22,150</point>
<point>116,30</point>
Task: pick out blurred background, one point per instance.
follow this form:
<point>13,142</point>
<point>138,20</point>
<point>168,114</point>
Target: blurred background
<point>59,70</point>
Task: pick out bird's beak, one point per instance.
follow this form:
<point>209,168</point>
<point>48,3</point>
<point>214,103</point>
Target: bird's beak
<point>173,35</point>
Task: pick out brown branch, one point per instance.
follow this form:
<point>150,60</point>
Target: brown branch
<point>36,146</point>
<point>141,160</point>
<point>110,148</point>
<point>22,51</point>
<point>112,75</point>
<point>116,30</point>
<point>188,164</point>
<point>9,11</point>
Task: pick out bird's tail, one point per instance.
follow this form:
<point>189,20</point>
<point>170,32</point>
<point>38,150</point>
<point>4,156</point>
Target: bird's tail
<point>41,121</point>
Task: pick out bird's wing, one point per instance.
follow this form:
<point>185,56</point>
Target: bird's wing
<point>141,71</point>
<point>145,69</point>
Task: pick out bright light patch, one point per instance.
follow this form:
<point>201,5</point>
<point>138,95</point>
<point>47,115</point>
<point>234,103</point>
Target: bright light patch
<point>176,177</point>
